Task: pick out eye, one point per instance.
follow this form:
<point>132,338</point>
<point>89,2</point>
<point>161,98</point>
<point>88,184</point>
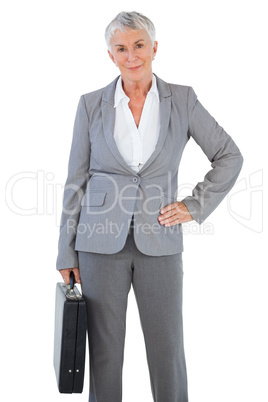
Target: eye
<point>121,49</point>
<point>140,46</point>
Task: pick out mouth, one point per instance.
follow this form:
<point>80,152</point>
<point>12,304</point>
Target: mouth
<point>134,68</point>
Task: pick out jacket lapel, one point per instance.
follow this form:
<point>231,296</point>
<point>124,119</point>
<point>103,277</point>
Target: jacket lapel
<point>108,120</point>
<point>165,111</point>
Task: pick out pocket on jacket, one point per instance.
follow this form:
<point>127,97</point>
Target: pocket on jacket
<point>93,199</point>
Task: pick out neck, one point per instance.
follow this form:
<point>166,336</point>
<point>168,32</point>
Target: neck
<point>137,88</point>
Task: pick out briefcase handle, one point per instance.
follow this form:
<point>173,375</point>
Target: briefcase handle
<point>72,280</point>
<point>70,294</point>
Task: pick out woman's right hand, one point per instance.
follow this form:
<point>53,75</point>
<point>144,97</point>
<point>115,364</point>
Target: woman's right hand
<point>65,273</point>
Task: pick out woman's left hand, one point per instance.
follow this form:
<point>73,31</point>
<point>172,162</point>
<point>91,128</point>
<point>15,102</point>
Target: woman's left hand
<point>174,214</point>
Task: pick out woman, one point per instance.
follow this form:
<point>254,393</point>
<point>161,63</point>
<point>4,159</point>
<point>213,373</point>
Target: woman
<point>121,222</point>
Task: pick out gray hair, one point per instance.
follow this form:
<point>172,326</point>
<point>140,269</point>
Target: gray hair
<point>129,20</point>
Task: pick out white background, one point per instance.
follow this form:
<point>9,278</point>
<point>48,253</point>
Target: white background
<point>54,51</point>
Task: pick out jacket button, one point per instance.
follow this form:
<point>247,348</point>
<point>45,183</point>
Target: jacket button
<point>135,179</point>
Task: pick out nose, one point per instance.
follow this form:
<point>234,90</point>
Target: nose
<point>131,56</point>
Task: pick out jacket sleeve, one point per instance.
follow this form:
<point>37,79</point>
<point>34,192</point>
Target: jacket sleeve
<point>225,157</point>
<point>78,176</point>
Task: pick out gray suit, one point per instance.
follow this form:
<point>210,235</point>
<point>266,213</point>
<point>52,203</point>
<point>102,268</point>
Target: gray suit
<point>102,192</point>
<point>101,197</point>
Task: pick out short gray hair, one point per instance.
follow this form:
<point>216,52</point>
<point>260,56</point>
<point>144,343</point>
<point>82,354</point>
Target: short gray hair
<point>129,20</point>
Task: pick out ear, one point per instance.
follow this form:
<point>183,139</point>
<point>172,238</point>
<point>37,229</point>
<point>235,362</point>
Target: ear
<point>111,56</point>
<point>155,47</point>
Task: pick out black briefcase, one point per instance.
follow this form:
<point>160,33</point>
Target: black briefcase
<point>69,338</point>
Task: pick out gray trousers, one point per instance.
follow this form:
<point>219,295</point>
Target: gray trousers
<point>157,284</point>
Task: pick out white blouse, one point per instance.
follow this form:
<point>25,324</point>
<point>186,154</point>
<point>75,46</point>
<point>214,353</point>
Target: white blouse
<point>136,144</point>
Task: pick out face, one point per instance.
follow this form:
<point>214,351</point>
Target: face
<point>133,53</point>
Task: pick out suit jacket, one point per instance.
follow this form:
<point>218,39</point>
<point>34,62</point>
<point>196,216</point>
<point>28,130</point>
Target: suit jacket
<point>102,192</point>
